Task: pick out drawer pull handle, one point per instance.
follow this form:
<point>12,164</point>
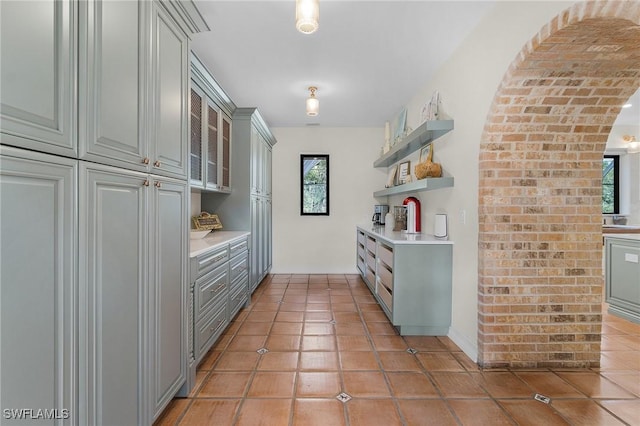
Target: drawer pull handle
<point>217,326</point>
<point>218,258</point>
<point>217,289</point>
<point>156,163</point>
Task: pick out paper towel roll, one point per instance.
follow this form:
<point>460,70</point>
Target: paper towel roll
<point>440,226</point>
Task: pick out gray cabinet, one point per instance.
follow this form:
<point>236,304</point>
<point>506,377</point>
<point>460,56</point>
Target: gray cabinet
<point>38,73</point>
<point>411,281</point>
<point>622,276</point>
<point>38,283</point>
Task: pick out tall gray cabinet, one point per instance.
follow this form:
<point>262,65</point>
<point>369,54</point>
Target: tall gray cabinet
<point>249,205</point>
<point>94,207</point>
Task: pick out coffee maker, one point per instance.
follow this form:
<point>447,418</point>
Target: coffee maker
<point>379,211</point>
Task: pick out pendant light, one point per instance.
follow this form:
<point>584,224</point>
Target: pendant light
<point>307,15</point>
<point>313,105</point>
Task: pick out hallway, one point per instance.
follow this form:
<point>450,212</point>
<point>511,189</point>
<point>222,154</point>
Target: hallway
<point>318,350</point>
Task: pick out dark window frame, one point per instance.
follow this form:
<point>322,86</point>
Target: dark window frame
<point>304,157</point>
<point>616,184</point>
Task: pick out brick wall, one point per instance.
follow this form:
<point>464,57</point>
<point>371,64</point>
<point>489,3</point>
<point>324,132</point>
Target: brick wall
<point>540,238</point>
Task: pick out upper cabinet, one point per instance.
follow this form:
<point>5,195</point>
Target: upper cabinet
<point>38,74</point>
<point>210,136</point>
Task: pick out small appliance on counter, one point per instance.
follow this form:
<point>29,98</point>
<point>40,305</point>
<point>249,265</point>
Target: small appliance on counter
<point>440,226</point>
<point>413,215</point>
<point>379,213</point>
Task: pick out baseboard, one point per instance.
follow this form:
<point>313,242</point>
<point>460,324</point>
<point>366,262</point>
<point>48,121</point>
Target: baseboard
<point>468,347</point>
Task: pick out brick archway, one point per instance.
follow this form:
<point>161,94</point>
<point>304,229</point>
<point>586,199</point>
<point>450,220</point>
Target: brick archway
<point>540,240</point>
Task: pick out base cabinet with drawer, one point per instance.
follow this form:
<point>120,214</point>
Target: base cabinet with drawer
<point>622,275</point>
<point>410,277</point>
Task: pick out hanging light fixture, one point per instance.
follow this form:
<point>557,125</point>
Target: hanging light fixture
<point>313,105</point>
<point>307,15</point>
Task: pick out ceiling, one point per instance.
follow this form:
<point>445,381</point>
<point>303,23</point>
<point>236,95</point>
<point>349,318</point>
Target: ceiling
<point>367,59</point>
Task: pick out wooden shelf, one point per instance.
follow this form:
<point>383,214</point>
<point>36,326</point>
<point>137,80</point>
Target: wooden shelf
<point>427,184</point>
<point>426,133</point>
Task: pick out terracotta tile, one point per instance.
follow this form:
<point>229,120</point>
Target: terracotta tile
<point>318,384</point>
<point>294,299</point>
<point>283,342</point>
<point>425,343</point>
<point>292,307</point>
<point>318,297</point>
<point>255,328</point>
<point>286,328</point>
<point>627,410</point>
<point>479,412</point>
<point>399,361</point>
<point>532,413</point>
<point>318,361</point>
<point>378,412</point>
<point>340,299</point>
<point>346,317</point>
<point>430,411</point>
<point>246,343</point>
<point>375,316</point>
<point>200,377</point>
<point>439,361</point>
<point>264,412</point>
<point>279,361</point>
<point>237,361</point>
<point>465,361</point>
<point>290,316</point>
<point>359,360</point>
<point>381,328</point>
<point>370,307</point>
<point>504,385</point>
<point>354,343</point>
<point>411,385</point>
<point>209,359</point>
<point>318,412</point>
<point>318,316</point>
<point>318,328</point>
<point>389,343</point>
<point>223,342</point>
<point>344,307</point>
<point>318,307</point>
<point>261,316</point>
<point>272,385</point>
<point>448,343</point>
<point>364,298</point>
<point>585,411</point>
<point>595,386</point>
<point>318,343</point>
<point>350,329</point>
<point>458,385</point>
<point>225,385</point>
<point>620,360</point>
<point>297,291</point>
<point>172,413</point>
<point>211,412</point>
<point>365,384</point>
<point>233,327</point>
<point>628,380</point>
<point>266,305</point>
<point>549,384</point>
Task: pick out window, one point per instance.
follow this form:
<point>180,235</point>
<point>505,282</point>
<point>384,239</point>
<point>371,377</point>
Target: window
<point>611,184</point>
<point>314,184</point>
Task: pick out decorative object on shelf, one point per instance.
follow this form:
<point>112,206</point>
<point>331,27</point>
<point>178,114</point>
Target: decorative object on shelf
<point>433,108</point>
<point>313,105</point>
<point>206,221</point>
<point>399,126</point>
<point>307,16</point>
<point>404,170</point>
<point>426,167</point>
<point>387,138</point>
<point>392,177</point>
<point>633,145</point>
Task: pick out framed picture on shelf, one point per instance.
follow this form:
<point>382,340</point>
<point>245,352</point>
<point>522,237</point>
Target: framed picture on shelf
<point>392,177</point>
<point>404,171</point>
<point>425,153</point>
<point>399,124</point>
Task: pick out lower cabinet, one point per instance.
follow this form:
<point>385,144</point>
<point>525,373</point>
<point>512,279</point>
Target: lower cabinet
<point>622,276</point>
<point>411,280</point>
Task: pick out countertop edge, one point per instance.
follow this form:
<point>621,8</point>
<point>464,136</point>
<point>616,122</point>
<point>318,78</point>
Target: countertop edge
<point>213,241</point>
<point>632,237</point>
<point>402,238</point>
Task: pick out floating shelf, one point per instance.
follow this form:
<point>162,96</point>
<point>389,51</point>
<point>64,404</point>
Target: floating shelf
<point>426,184</point>
<point>426,133</point>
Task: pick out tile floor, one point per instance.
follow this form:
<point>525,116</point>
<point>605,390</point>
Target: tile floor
<point>332,358</point>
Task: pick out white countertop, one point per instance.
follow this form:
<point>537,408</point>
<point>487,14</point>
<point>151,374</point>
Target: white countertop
<point>402,237</point>
<point>213,240</point>
<point>635,237</point>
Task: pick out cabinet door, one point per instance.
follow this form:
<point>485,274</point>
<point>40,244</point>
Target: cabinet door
<point>37,104</point>
<point>112,64</point>
<point>226,152</point>
<point>268,235</point>
<point>256,161</point>
<point>113,296</point>
<point>212,145</point>
<point>267,169</point>
<point>255,242</point>
<point>169,94</point>
<point>168,287</point>
<point>196,154</point>
<point>38,283</point>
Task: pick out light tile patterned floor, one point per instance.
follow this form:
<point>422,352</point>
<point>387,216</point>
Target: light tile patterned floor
<point>332,358</point>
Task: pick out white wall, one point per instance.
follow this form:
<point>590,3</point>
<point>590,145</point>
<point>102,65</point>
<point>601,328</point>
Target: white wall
<point>323,244</point>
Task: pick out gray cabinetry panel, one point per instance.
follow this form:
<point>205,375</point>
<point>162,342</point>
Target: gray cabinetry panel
<point>38,54</point>
<point>38,283</point>
<point>622,277</point>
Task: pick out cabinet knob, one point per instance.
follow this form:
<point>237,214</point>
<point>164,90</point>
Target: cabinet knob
<point>156,163</point>
<point>146,183</point>
<point>145,160</point>
<point>157,184</point>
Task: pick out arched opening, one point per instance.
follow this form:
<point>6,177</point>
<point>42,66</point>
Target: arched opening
<point>540,187</point>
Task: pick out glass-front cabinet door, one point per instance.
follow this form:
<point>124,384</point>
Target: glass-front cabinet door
<point>196,154</point>
<point>212,146</point>
<point>226,151</point>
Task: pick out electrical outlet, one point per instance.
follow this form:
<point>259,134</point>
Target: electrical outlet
<point>463,216</point>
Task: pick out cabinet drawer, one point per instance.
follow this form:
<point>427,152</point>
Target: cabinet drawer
<point>360,264</point>
<point>371,245</point>
<point>240,281</point>
<point>361,238</point>
<point>237,247</point>
<point>361,251</point>
<point>211,289</point>
<point>239,298</point>
<point>239,266</point>
<point>385,254</point>
<point>212,259</point>
<point>385,276</point>
<point>371,261</point>
<point>385,295</point>
<point>209,328</point>
<point>370,278</point>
